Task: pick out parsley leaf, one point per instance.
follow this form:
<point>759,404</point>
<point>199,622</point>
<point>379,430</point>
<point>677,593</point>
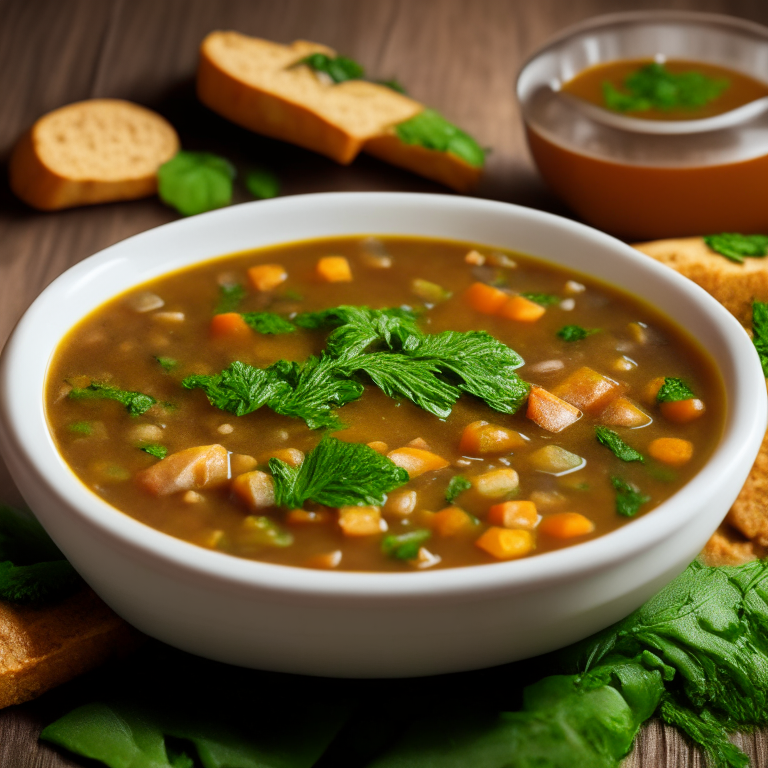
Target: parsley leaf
<point>339,69</point>
<point>405,546</point>
<point>262,184</point>
<point>457,485</point>
<point>629,499</point>
<point>672,390</point>
<point>429,129</point>
<point>575,332</point>
<point>230,297</point>
<point>611,440</point>
<point>136,403</point>
<point>158,451</point>
<point>760,332</point>
<point>735,246</point>
<point>653,86</point>
<point>38,582</point>
<point>545,299</point>
<point>268,322</point>
<point>336,474</point>
<point>167,363</point>
<point>195,182</point>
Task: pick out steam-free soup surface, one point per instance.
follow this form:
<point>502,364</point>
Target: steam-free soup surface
<point>453,452</point>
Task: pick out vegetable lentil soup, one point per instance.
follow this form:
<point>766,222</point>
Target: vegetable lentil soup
<point>362,403</point>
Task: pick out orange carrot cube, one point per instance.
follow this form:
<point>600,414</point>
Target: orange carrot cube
<point>589,390</point>
<point>549,411</point>
<point>485,298</point>
<point>334,269</point>
<point>416,461</point>
<point>673,451</point>
<point>506,543</point>
<point>255,488</point>
<point>521,309</point>
<point>451,521</point>
<point>480,438</point>
<point>230,325</point>
<point>566,525</point>
<point>682,411</point>
<point>265,277</point>
<point>514,514</point>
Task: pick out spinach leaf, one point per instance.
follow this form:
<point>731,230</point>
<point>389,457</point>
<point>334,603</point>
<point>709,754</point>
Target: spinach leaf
<point>673,390</point>
<point>262,184</point>
<point>195,182</point>
<point>431,130</point>
<point>136,403</point>
<point>629,499</point>
<point>735,246</point>
<point>456,486</point>
<point>339,68</point>
<point>613,442</point>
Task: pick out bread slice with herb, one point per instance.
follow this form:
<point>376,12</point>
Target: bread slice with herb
<point>91,152</point>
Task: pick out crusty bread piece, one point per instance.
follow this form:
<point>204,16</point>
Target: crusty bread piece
<point>734,285</point>
<point>91,152</point>
<point>42,647</point>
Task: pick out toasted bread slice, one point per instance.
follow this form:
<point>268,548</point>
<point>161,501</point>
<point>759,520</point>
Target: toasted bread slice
<point>42,647</point>
<point>91,152</point>
<point>263,87</point>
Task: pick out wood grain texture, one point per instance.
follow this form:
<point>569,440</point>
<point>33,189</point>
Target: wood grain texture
<point>460,57</point>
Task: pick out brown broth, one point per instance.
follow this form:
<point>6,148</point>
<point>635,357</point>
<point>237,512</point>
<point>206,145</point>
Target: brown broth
<point>120,345</point>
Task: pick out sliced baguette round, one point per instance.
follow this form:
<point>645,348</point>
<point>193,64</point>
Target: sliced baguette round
<point>91,152</point>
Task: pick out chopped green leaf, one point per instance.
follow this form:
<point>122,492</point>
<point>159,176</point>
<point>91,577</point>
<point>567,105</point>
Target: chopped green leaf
<point>735,246</point>
<point>545,299</point>
<point>612,441</point>
<point>336,474</point>
<point>338,69</point>
<point>575,332</point>
<point>405,546</point>
<point>158,451</point>
<point>195,182</point>
<point>431,130</point>
<point>653,86</point>
<point>432,293</point>
<point>262,184</point>
<point>673,390</point>
<point>230,296</point>
<point>80,428</point>
<point>760,332</point>
<point>262,531</point>
<point>136,403</point>
<point>167,363</point>
<point>268,322</point>
<point>456,486</point>
<point>629,499</point>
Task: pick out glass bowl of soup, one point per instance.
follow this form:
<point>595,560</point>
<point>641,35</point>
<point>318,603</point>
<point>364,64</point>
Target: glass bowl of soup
<point>699,173</point>
<point>377,434</point>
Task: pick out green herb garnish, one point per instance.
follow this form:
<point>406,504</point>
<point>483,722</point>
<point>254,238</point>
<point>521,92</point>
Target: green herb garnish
<point>136,403</point>
<point>336,474</point>
<point>735,246</point>
<point>760,332</point>
<point>673,390</point>
<point>268,322</point>
<point>431,130</point>
<point>167,363</point>
<point>575,332</point>
<point>339,69</point>
<point>262,184</point>
<point>405,546</point>
<point>158,451</point>
<point>612,441</point>
<point>195,182</point>
<point>456,486</point>
<point>84,428</point>
<point>653,86</point>
<point>545,299</point>
<point>629,499</point>
<point>230,297</point>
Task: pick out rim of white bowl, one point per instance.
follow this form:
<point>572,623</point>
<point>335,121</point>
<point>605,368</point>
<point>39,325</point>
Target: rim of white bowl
<point>25,439</point>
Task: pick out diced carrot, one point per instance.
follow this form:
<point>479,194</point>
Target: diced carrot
<point>566,525</point>
<point>506,543</point>
<point>240,463</point>
<point>588,390</point>
<point>334,269</point>
<point>265,277</point>
<point>361,521</point>
<point>416,461</point>
<point>671,450</point>
<point>327,561</point>
<point>514,514</point>
<point>255,488</point>
<point>521,309</point>
<point>293,457</point>
<point>379,446</point>
<point>401,504</point>
<point>231,326</point>
<point>480,438</point>
<point>204,466</point>
<point>451,521</point>
<point>307,517</point>
<point>622,412</point>
<point>485,298</point>
<point>496,483</point>
<point>549,411</point>
<point>652,389</point>
<point>474,257</point>
<point>682,411</point>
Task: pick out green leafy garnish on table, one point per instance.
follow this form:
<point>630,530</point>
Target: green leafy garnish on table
<point>429,129</point>
<point>262,184</point>
<point>230,296</point>
<point>268,322</point>
<point>336,474</point>
<point>653,86</point>
<point>760,332</point>
<point>629,498</point>
<point>195,182</point>
<point>158,451</point>
<point>575,332</point>
<point>456,486</point>
<point>136,403</point>
<point>338,68</point>
<point>736,247</point>
<point>545,299</point>
<point>613,442</point>
<point>673,390</point>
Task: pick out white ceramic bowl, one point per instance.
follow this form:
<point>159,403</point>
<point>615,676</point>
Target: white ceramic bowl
<point>367,624</point>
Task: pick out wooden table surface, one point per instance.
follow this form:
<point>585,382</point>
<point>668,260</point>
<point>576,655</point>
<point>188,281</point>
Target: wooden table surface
<point>459,56</point>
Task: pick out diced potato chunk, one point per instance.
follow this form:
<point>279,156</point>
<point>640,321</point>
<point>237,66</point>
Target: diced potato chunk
<point>240,463</point>
<point>480,438</point>
<point>589,390</point>
<point>555,460</point>
<point>361,521</point>
<point>514,514</point>
<point>307,517</point>
<point>400,504</point>
<point>293,457</point>
<point>416,461</point>
<point>496,483</point>
<point>265,277</point>
<point>334,269</point>
<point>549,411</point>
<point>255,488</point>
<point>204,466</point>
<point>622,412</point>
<point>475,258</point>
<point>452,521</point>
<point>379,446</point>
<point>506,543</point>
